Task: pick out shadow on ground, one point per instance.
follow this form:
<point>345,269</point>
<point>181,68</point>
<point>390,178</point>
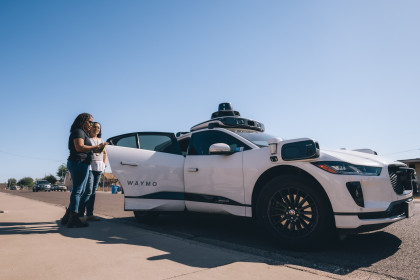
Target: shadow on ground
<point>234,233</point>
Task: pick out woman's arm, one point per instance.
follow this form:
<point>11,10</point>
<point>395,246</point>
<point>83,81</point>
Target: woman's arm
<point>105,156</point>
<point>80,146</point>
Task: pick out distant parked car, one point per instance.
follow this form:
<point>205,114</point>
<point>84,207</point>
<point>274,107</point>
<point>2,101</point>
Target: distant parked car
<point>15,188</point>
<point>61,188</point>
<point>41,185</point>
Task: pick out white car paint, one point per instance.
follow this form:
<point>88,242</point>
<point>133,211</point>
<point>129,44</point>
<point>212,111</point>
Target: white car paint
<point>217,175</point>
<point>143,172</point>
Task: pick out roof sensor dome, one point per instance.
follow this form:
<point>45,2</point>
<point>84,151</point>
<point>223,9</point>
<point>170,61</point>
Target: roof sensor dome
<point>225,109</point>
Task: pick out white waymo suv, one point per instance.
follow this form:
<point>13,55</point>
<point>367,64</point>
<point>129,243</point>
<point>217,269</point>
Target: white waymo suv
<point>301,194</point>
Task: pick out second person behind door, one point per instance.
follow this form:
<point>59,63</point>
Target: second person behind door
<point>97,167</point>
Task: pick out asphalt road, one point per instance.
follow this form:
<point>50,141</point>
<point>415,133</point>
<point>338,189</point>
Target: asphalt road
<point>389,253</point>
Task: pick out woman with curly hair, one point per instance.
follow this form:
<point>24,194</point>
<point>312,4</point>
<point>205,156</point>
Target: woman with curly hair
<point>81,151</point>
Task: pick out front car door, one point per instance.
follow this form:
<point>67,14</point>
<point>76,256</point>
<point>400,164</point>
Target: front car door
<point>214,183</point>
<point>149,166</point>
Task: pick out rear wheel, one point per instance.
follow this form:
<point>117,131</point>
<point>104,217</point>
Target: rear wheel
<point>146,216</point>
<point>295,213</point>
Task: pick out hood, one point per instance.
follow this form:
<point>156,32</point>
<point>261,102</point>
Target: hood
<point>355,157</point>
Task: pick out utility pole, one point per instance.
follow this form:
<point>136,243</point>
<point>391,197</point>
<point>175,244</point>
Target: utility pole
<point>62,171</point>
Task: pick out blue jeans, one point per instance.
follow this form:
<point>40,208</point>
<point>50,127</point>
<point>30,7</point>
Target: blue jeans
<point>88,198</point>
<point>79,174</point>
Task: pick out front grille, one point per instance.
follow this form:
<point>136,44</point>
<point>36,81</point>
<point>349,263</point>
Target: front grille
<point>402,178</point>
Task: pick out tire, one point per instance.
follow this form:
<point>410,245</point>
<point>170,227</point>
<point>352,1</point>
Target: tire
<point>295,213</point>
<point>146,217</point>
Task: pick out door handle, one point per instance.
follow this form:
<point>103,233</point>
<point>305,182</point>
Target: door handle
<point>129,163</point>
<point>192,169</point>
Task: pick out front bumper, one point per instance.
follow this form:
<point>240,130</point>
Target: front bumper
<point>368,221</point>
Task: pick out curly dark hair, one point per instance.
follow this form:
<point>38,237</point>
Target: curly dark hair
<point>80,121</point>
<point>100,129</point>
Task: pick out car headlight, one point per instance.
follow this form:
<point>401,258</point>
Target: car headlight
<point>344,168</point>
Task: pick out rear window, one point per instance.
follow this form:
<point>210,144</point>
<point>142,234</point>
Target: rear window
<point>163,142</point>
<point>158,143</point>
<point>129,142</point>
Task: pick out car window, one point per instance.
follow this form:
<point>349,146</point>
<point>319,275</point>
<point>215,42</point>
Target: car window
<point>258,138</point>
<point>201,141</point>
<point>43,182</point>
<point>129,141</point>
<point>159,143</point>
<point>164,142</point>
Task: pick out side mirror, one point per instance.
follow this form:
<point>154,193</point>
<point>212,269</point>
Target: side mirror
<point>300,149</point>
<point>220,149</point>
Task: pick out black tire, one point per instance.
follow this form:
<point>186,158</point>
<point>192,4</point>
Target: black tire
<point>295,213</point>
<point>146,217</point>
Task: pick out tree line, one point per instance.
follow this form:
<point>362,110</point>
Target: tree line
<point>29,182</point>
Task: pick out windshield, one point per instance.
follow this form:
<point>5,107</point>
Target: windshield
<point>43,182</point>
<point>258,138</point>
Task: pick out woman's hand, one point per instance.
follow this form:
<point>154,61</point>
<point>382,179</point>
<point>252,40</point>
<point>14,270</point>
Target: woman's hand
<point>100,148</point>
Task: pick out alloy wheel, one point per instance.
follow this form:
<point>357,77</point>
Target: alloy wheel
<point>292,212</point>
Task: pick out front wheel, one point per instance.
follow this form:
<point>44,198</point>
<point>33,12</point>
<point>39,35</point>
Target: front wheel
<point>295,212</point>
<point>146,216</point>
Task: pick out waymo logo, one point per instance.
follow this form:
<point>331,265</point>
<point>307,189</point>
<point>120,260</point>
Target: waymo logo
<point>142,183</point>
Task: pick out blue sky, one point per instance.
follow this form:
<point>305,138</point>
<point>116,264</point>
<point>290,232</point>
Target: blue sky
<point>345,73</point>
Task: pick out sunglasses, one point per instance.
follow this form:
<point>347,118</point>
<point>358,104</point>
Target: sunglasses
<point>90,122</point>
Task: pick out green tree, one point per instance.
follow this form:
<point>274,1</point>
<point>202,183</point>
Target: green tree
<point>61,172</point>
<point>26,181</point>
<point>11,182</point>
<point>51,178</point>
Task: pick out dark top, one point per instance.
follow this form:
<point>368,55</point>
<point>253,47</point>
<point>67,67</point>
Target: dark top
<point>84,157</point>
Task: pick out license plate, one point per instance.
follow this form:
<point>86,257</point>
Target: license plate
<point>410,208</point>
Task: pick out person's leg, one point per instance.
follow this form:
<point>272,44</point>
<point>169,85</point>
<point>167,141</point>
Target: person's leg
<point>91,202</point>
<point>84,199</point>
<point>79,174</point>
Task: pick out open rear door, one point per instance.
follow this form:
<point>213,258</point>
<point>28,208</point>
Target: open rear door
<point>150,168</point>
